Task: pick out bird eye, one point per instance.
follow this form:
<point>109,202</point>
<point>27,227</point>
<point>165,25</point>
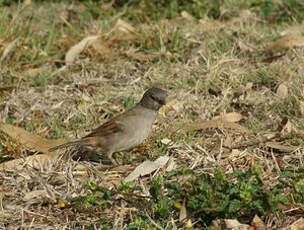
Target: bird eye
<point>153,97</point>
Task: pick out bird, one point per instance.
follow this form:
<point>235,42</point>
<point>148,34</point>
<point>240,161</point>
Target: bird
<point>125,131</point>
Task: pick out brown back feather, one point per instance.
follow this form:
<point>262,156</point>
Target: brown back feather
<point>106,129</point>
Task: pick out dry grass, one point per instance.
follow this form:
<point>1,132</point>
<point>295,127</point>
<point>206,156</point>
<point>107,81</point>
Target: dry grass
<point>209,67</point>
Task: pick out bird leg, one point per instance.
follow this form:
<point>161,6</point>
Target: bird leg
<point>110,156</point>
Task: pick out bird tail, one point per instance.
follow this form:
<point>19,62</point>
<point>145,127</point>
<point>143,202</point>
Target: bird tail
<point>73,143</point>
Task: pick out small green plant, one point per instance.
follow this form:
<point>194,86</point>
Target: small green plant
<point>208,198</point>
<point>96,200</point>
<point>294,182</point>
<point>128,102</point>
<point>239,195</point>
<point>78,122</point>
<point>57,131</point>
<point>161,203</point>
<point>264,77</point>
<point>279,11</point>
<point>42,80</point>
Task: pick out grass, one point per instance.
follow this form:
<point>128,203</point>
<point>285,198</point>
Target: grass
<point>212,61</point>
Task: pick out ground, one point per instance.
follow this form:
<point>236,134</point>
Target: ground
<point>232,127</point>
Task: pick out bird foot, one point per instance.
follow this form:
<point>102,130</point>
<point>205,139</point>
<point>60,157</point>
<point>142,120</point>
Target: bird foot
<point>114,161</point>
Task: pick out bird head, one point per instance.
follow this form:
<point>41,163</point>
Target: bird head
<point>154,98</point>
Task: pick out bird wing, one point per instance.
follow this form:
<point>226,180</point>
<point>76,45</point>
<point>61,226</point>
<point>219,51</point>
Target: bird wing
<point>115,125</point>
<point>108,128</point>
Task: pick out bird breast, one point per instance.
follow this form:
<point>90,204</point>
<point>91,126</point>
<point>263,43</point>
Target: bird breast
<point>136,128</point>
<point>142,125</point>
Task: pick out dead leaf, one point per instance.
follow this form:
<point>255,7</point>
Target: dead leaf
<point>229,117</point>
<point>280,147</point>
<point>5,191</point>
<point>244,48</point>
<point>35,194</point>
<point>29,140</point>
<point>123,31</point>
<point>75,50</point>
<point>248,86</point>
<point>123,26</point>
<point>119,37</point>
<point>35,161</point>
<point>286,42</point>
<point>189,224</point>
<point>269,136</point>
<point>8,49</point>
<point>103,50</point>
<point>235,225</point>
<point>293,30</point>
<point>235,152</point>
<point>282,91</point>
<point>287,128</point>
<point>199,125</point>
<point>258,224</point>
<point>187,16</point>
<point>183,212</point>
<point>175,105</point>
<point>297,225</point>
<point>56,106</point>
<point>147,167</point>
<point>280,163</point>
<point>171,165</point>
<point>165,141</point>
<point>26,3</point>
<point>228,141</point>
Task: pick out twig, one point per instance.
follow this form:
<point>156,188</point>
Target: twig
<point>153,222</point>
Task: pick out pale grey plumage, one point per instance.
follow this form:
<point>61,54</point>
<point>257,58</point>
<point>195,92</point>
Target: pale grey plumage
<point>128,129</point>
